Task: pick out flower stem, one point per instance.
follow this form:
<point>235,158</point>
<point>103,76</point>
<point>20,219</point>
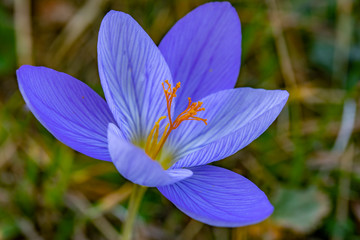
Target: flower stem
<point>134,203</point>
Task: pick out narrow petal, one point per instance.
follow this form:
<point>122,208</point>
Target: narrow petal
<point>68,108</point>
<point>219,197</point>
<point>203,51</point>
<point>133,163</point>
<point>235,117</point>
<point>131,70</point>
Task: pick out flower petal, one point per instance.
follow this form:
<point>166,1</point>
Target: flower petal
<point>203,51</point>
<point>131,70</point>
<point>68,108</point>
<point>219,197</point>
<point>133,163</point>
<point>235,117</point>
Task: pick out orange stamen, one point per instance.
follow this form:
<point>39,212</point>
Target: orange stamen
<point>189,114</point>
<point>153,147</point>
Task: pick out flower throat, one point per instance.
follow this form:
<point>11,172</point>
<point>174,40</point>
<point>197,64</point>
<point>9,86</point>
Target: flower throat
<point>153,146</point>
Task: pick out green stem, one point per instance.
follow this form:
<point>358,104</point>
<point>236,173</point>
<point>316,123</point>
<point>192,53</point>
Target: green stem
<point>134,203</point>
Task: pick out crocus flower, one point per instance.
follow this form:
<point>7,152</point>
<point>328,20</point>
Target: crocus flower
<point>157,132</point>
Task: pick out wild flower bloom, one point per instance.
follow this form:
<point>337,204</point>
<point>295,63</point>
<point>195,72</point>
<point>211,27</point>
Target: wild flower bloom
<point>156,131</point>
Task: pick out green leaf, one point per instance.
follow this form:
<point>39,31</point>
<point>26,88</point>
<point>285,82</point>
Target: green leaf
<point>300,209</point>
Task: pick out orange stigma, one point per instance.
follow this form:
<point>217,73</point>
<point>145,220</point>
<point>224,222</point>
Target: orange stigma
<point>153,146</point>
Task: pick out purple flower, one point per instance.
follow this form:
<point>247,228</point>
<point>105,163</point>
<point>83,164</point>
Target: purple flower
<point>202,51</point>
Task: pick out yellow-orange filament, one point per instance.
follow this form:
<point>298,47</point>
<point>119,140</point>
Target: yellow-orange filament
<point>189,114</point>
<point>153,146</point>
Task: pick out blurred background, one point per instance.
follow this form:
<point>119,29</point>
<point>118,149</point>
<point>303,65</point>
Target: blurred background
<point>307,162</point>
